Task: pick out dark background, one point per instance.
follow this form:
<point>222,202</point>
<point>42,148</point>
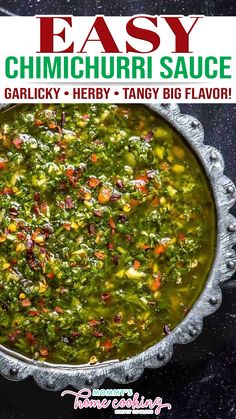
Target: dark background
<point>200,379</point>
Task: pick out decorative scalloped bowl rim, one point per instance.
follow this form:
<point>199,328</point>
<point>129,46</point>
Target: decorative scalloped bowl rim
<point>57,377</point>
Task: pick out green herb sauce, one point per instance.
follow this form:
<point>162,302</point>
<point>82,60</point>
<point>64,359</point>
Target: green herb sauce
<point>107,231</point>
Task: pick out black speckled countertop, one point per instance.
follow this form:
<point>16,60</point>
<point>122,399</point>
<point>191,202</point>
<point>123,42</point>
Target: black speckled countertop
<point>200,380</point>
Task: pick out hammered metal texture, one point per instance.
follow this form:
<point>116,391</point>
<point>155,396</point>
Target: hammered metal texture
<point>56,377</point>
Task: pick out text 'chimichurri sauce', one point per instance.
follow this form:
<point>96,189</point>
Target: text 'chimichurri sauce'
<point>107,231</point>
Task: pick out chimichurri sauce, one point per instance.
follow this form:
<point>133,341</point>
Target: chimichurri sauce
<point>107,231</point>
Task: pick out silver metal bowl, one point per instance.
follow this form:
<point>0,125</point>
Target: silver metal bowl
<point>58,376</point>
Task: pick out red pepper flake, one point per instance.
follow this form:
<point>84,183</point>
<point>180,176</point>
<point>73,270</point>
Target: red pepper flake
<point>74,263</point>
<point>2,164</point>
<point>164,166</point>
<point>38,122</point>
<point>12,337</point>
<point>44,207</point>
<point>98,213</point>
<point>59,310</point>
<point>61,205</point>
<point>140,183</point>
<point>155,285</point>
<point>134,202</point>
<point>93,182</point>
<point>106,296</point>
<point>99,255</point>
<point>30,338</point>
<point>94,158</point>
<point>69,173</point>
<point>7,191</point>
<point>61,157</point>
<point>93,322</point>
<point>33,313</point>
<point>44,351</point>
<point>111,223</point>
<point>67,226</point>
<point>21,236</point>
<point>69,203</point>
<point>47,229</point>
<point>107,345</point>
<point>136,264</point>
<point>73,175</point>
<point>32,260</point>
<point>97,334</point>
<point>17,142</point>
<point>143,178</point>
<point>37,196</point>
<point>36,209</point>
<point>51,275</point>
<point>159,249</point>
<point>104,195</point>
<point>110,246</point>
<point>86,117</point>
<point>182,237</point>
<point>61,143</point>
<point>52,126</point>
<point>41,302</point>
<point>155,202</point>
<point>45,310</point>
<point>26,302</point>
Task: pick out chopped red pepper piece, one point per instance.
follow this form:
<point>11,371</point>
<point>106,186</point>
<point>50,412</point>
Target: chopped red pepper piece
<point>106,296</point>
<point>93,322</point>
<point>17,142</point>
<point>93,158</point>
<point>51,275</point>
<point>159,249</point>
<point>33,313</point>
<point>44,351</point>
<point>111,223</point>
<point>30,338</point>
<point>26,302</point>
<point>12,337</point>
<point>136,264</point>
<point>59,310</point>
<point>93,182</point>
<point>155,285</point>
<point>107,346</point>
<point>99,255</point>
